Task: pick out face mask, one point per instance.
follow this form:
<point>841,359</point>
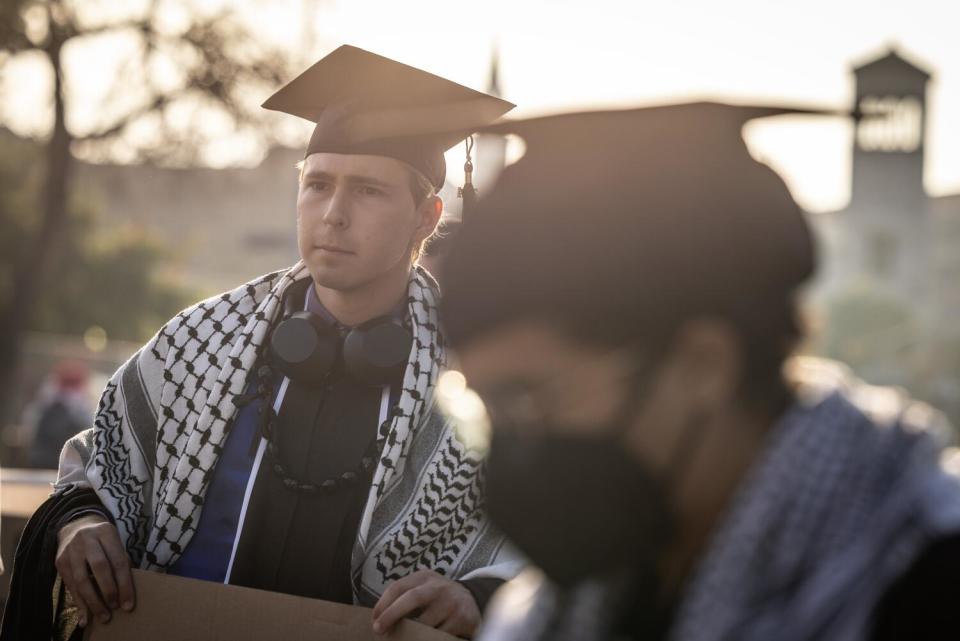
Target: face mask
<point>577,506</point>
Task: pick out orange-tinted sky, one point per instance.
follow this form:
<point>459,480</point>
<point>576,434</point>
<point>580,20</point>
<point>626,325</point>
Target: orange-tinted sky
<point>565,54</point>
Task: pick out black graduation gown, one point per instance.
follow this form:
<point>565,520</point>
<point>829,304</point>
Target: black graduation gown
<point>299,543</point>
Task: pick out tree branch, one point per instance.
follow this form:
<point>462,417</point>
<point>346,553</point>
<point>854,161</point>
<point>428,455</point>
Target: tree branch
<point>13,33</point>
<point>151,106</point>
<point>75,31</point>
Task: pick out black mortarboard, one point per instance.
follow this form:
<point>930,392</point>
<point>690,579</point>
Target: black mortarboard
<point>367,104</point>
<point>629,213</point>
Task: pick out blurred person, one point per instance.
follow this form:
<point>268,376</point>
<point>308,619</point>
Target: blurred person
<point>282,435</point>
<point>61,409</point>
<point>623,304</point>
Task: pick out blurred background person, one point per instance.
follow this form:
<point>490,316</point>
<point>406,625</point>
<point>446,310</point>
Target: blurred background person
<point>61,409</point>
<point>648,451</point>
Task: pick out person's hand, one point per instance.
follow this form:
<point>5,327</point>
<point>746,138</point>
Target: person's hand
<point>435,601</point>
<point>94,567</point>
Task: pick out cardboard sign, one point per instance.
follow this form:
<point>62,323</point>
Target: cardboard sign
<point>172,608</point>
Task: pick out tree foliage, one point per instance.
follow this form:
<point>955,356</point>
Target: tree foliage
<point>869,330</point>
<point>886,341</point>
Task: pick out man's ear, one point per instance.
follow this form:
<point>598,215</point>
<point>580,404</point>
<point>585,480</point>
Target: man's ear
<point>429,212</point>
<point>707,357</point>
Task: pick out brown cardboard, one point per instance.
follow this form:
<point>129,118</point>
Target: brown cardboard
<point>172,608</point>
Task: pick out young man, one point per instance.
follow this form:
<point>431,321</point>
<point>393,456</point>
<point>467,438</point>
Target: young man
<point>282,435</point>
<point>623,302</point>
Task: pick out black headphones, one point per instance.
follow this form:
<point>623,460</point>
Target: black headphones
<point>307,349</point>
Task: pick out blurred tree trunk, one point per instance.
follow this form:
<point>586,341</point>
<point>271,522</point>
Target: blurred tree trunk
<point>31,273</point>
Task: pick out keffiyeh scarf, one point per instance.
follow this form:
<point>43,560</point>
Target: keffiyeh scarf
<point>850,489</point>
<point>165,415</point>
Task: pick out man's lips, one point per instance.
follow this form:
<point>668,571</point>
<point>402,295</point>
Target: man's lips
<point>333,249</point>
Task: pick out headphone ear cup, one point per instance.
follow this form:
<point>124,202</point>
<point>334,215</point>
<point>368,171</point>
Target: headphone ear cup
<point>304,348</point>
<point>377,351</point>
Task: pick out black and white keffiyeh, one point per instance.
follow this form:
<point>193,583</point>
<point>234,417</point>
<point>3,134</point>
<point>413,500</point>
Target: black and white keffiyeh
<point>852,486</point>
<point>165,415</point>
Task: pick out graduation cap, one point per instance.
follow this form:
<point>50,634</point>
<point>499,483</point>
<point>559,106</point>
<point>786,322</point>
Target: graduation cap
<point>629,213</point>
<point>363,103</point>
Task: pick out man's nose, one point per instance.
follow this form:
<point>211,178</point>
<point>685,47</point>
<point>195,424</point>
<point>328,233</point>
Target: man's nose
<point>336,212</point>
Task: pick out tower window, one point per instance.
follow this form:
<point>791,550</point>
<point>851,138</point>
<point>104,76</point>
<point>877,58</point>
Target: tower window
<point>890,123</point>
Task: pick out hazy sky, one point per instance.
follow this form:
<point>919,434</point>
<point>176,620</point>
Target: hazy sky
<point>562,54</point>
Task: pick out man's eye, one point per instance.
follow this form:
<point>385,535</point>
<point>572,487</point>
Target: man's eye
<point>367,190</point>
<point>318,186</point>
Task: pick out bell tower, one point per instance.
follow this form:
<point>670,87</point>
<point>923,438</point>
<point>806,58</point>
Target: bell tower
<point>891,98</point>
<point>888,213</point>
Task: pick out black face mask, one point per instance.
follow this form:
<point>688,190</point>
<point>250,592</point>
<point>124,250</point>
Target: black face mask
<point>577,506</point>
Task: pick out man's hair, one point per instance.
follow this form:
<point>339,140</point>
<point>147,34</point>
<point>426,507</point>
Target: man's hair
<point>767,328</point>
<point>420,186</point>
<point>420,189</point>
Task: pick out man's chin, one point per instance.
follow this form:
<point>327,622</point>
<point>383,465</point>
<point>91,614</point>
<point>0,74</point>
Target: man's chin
<point>346,278</point>
<point>335,283</point>
<point>335,279</point>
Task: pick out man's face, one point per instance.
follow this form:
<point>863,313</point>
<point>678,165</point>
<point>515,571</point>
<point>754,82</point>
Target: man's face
<point>357,222</point>
<point>562,473</point>
<point>625,456</point>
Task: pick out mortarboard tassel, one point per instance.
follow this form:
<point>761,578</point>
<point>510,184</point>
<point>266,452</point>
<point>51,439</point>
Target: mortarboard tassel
<point>468,192</point>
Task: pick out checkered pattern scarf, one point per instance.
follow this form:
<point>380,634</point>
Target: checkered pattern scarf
<point>165,415</point>
<point>848,492</point>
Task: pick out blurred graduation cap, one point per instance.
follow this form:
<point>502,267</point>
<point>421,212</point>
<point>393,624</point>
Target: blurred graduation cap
<point>363,103</point>
<point>662,203</point>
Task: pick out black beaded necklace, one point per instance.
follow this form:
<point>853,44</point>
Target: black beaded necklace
<point>267,427</point>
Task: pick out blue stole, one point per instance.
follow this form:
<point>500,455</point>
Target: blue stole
<point>208,554</point>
